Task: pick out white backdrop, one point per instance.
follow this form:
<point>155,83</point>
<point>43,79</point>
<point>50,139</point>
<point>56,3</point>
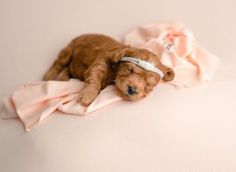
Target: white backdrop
<point>172,130</point>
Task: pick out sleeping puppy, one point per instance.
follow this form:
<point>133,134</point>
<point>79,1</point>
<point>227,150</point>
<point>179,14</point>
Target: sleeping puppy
<point>100,60</point>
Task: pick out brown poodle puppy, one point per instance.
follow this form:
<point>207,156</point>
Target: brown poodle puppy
<point>99,61</point>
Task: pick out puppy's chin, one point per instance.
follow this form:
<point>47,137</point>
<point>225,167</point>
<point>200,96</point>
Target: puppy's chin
<point>134,98</point>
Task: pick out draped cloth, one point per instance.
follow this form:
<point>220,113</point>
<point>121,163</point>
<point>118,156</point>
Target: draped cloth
<point>33,102</point>
<point>177,48</point>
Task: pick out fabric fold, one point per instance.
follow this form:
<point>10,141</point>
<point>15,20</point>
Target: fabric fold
<point>34,102</point>
<point>177,48</point>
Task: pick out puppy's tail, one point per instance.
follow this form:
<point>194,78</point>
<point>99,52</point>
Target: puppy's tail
<point>62,61</point>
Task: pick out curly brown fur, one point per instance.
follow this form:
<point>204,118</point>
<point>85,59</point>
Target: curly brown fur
<point>95,59</point>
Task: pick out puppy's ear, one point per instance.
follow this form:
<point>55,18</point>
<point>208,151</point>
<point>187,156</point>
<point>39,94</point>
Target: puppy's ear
<point>119,53</point>
<point>169,73</point>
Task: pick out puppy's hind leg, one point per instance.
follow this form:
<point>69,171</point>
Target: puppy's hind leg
<point>59,64</point>
<point>64,75</point>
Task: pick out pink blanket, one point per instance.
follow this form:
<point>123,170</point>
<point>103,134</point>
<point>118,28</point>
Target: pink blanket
<point>178,49</point>
<point>33,102</point>
<point>176,46</point>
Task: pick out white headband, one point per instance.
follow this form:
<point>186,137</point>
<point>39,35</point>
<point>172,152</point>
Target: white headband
<point>143,64</point>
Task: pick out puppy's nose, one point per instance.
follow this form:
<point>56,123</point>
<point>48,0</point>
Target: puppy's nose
<point>131,90</point>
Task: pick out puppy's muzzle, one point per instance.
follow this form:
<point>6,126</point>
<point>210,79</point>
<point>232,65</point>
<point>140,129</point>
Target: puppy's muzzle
<point>131,90</point>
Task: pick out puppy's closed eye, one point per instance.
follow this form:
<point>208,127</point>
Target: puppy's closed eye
<point>130,70</point>
<point>151,80</point>
<point>127,70</point>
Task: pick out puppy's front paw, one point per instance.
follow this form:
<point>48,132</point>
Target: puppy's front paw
<point>87,95</point>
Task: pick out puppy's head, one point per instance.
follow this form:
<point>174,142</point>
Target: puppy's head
<point>135,82</point>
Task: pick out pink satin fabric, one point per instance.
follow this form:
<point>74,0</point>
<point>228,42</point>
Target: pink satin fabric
<point>34,102</point>
<point>191,63</point>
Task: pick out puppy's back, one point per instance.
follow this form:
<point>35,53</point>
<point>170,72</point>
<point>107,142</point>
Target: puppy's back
<point>95,41</point>
<point>89,47</point>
